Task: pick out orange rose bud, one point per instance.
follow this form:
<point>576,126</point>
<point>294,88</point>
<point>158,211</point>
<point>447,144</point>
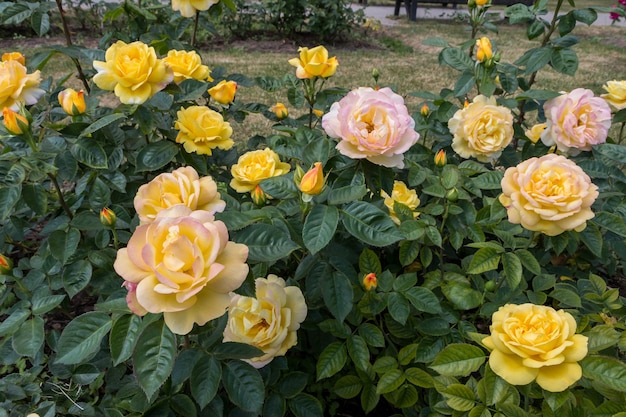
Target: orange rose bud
<point>14,56</point>
<point>318,113</point>
<point>440,158</point>
<point>313,181</point>
<point>258,196</point>
<point>279,110</point>
<point>108,217</point>
<point>224,92</point>
<point>6,265</point>
<point>72,102</point>
<point>370,281</point>
<point>14,122</point>
<point>425,110</point>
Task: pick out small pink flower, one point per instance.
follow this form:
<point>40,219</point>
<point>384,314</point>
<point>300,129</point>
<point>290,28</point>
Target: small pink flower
<point>372,124</point>
<point>576,121</point>
<point>622,2</point>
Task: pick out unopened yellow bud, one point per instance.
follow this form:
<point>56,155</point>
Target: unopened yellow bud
<point>224,92</point>
<point>312,182</point>
<point>6,265</point>
<point>279,110</point>
<point>15,123</point>
<point>441,158</point>
<point>484,51</point>
<point>425,110</point>
<point>481,2</point>
<point>14,56</point>
<point>72,102</point>
<point>258,196</point>
<point>108,217</point>
<point>318,113</point>
<point>370,282</point>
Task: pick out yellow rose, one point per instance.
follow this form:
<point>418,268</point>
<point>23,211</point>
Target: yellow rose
<point>616,94</point>
<point>188,8</point>
<point>255,166</point>
<point>132,71</point>
<point>187,64</point>
<point>201,130</point>
<point>550,194</point>
<point>534,133</point>
<point>312,182</point>
<point>535,343</point>
<point>16,86</point>
<point>403,195</point>
<point>314,62</point>
<point>14,56</point>
<point>181,187</point>
<point>224,92</point>
<point>483,49</point>
<point>481,2</point>
<point>72,102</point>
<point>279,110</point>
<point>269,322</point>
<point>182,265</point>
<point>15,123</point>
<point>481,129</point>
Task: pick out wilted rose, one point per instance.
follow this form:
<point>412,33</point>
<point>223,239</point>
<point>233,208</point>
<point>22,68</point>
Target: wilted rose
<point>269,322</point>
<point>372,124</point>
<point>550,194</point>
<point>576,121</point>
<point>184,187</point>
<point>536,343</point>
<point>201,130</point>
<point>132,71</point>
<point>255,166</point>
<point>481,129</point>
<point>182,265</point>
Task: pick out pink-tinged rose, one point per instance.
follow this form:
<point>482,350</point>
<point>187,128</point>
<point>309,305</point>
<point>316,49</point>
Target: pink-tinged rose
<point>615,94</point>
<point>550,194</point>
<point>183,266</point>
<point>481,129</point>
<point>181,187</point>
<point>269,322</point>
<point>535,343</point>
<point>372,124</point>
<point>576,121</point>
<point>189,8</point>
<point>17,87</point>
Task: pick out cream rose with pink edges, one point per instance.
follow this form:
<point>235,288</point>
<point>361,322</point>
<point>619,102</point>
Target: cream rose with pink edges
<point>550,194</point>
<point>535,343</point>
<point>182,186</point>
<point>576,121</point>
<point>372,124</point>
<point>182,265</point>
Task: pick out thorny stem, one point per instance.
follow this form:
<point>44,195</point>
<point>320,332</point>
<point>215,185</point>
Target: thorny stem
<point>68,41</point>
<point>66,208</point>
<point>195,28</point>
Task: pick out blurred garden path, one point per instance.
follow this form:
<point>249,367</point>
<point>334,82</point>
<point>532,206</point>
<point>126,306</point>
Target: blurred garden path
<point>385,14</point>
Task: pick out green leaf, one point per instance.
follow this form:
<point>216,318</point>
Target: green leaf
<point>495,387</point>
<point>369,224</point>
<point>28,339</point>
<point>234,350</point>
<point>319,227</point>
<point>407,354</point>
<point>607,371</point>
<point>390,381</point>
<point>244,386</point>
<point>601,337</point>
<point>369,262</point>
<point>565,61</point>
<point>81,337</point>
<point>305,405</point>
<point>457,59</point>
<point>337,293</point>
<point>76,277</point>
<point>358,351</point>
<point>182,405</point>
<point>331,360</point>
<point>611,222</point>
<point>10,324</point>
<point>156,155</point>
<point>512,269</point>
<point>123,337</point>
<point>459,397</point>
<point>461,295</point>
<point>587,16</point>
<point>539,95</point>
<point>293,383</point>
<point>45,303</point>
<point>8,199</point>
<point>610,150</point>
<point>424,300</point>
<point>63,244</point>
<point>566,297</point>
<point>404,397</point>
<point>489,180</point>
<point>464,84</point>
<point>275,405</point>
<point>419,377</point>
<point>458,359</point>
<point>369,398</point>
<point>40,22</point>
<point>538,58</point>
<point>398,307</point>
<point>592,238</point>
<point>205,379</point>
<point>372,335</point>
<point>36,198</point>
<point>154,357</point>
<point>529,261</point>
<point>89,152</point>
<point>485,259</point>
<point>348,386</point>
<point>102,122</point>
<point>266,243</point>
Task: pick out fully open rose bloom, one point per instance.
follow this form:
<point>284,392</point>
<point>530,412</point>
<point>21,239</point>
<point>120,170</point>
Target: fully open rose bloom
<point>314,62</point>
<point>530,342</point>
<point>269,321</point>
<point>16,86</point>
<point>201,130</point>
<point>182,186</point>
<point>615,94</point>
<point>482,129</point>
<point>550,194</point>
<point>372,124</point>
<point>188,8</point>
<point>186,65</point>
<point>402,194</point>
<point>182,265</point>
<point>255,166</point>
<point>132,71</point>
<point>576,121</point>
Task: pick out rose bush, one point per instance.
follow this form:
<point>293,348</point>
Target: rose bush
<point>436,259</point>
